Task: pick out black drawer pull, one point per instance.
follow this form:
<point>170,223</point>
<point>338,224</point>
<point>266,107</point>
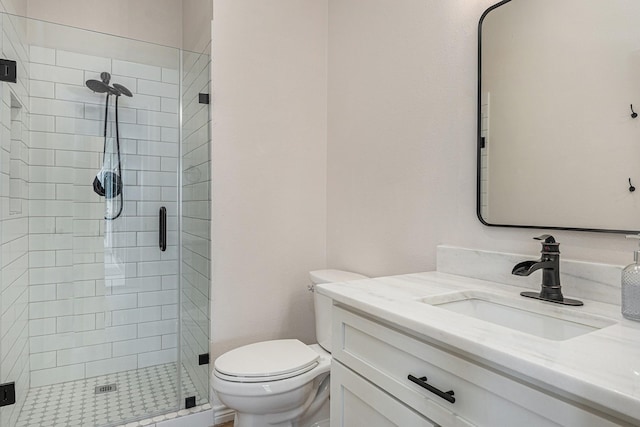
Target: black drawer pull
<point>162,229</point>
<point>422,382</point>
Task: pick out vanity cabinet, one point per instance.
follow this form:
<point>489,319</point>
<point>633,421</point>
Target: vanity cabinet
<point>370,381</point>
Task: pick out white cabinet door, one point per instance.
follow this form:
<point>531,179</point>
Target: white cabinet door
<point>355,402</point>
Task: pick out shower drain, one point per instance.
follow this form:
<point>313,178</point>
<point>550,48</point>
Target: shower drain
<point>106,388</point>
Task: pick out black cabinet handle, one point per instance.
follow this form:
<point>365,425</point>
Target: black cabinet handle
<point>162,229</point>
<point>422,382</point>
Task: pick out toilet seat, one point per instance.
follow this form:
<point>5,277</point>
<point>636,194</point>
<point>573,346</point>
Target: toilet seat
<point>266,361</point>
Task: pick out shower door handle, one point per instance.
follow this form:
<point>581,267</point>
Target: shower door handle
<point>162,229</point>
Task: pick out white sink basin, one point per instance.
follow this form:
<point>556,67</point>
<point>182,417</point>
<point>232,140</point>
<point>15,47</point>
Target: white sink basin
<point>533,317</point>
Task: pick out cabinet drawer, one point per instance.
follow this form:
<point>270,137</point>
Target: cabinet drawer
<point>355,402</point>
<point>483,397</point>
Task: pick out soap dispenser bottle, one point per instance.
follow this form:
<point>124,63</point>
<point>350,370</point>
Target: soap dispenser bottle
<point>631,286</point>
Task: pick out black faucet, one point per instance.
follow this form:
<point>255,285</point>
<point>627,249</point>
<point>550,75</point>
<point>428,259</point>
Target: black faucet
<point>549,262</point>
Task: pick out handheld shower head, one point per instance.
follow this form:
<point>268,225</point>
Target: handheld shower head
<point>101,87</point>
<point>122,90</point>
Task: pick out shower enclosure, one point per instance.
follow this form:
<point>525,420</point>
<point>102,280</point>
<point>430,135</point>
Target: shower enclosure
<point>104,300</point>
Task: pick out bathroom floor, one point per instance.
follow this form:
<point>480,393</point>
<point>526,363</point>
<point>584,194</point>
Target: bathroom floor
<point>139,393</point>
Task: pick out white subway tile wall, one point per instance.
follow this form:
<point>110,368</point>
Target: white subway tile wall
<point>196,259</point>
<point>14,220</point>
<point>103,297</point>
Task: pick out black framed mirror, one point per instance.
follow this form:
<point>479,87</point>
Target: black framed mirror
<point>558,144</point>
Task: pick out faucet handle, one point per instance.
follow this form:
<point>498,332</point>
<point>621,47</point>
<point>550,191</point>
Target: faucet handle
<point>547,238</point>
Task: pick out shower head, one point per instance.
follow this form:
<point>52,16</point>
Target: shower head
<point>122,90</point>
<point>101,87</point>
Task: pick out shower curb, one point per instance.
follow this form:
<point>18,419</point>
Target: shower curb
<point>203,413</point>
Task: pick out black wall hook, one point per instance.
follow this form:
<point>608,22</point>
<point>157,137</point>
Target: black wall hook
<point>631,187</point>
<point>633,113</point>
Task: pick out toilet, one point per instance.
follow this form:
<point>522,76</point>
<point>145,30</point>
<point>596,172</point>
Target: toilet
<point>282,383</point>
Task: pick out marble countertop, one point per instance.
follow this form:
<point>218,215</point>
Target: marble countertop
<point>600,369</point>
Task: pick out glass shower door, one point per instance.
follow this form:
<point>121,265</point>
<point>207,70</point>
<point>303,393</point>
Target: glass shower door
<point>100,323</point>
<point>105,347</point>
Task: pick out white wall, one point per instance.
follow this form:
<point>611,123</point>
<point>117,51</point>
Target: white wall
<point>196,24</point>
<point>157,21</point>
<point>16,7</point>
<point>401,144</point>
<point>269,167</point>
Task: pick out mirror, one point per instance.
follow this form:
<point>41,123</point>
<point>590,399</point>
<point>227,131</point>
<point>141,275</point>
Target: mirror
<point>557,144</point>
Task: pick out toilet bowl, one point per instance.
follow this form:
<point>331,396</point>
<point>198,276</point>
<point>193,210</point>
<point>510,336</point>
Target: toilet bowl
<point>282,383</point>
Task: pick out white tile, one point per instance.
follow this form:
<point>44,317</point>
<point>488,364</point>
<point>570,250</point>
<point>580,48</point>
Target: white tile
<point>76,289</point>
<point>164,179</point>
<point>135,284</point>
<point>124,348</point>
<point>83,62</point>
<point>50,342</point>
<point>146,299</point>
<point>130,83</point>
<point>170,135</point>
<point>96,112</point>
<point>55,107</point>
<point>42,123</point>
<point>38,276</point>
<point>75,93</point>
<point>169,341</point>
<point>169,311</point>
<point>52,174</point>
<point>140,101</point>
<point>50,241</point>
<point>42,89</point>
<point>51,73</point>
<point>39,310</point>
<point>79,126</point>
<point>156,148</point>
<point>42,327</point>
<point>42,259</point>
<point>135,131</point>
<point>108,366</point>
<point>170,76</point>
<point>145,193</point>
<point>42,55</point>
<point>157,328</point>
<point>42,293</point>
<point>83,354</point>
<point>76,323</point>
<point>42,360</point>
<point>78,159</point>
<point>167,90</point>
<point>157,118</point>
<point>132,69</point>
<point>169,165</point>
<point>157,358</point>
<point>41,157</point>
<point>134,316</point>
<point>57,375</point>
<point>135,162</point>
<point>170,282</point>
<point>169,105</point>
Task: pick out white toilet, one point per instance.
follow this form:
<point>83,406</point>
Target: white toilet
<point>282,383</point>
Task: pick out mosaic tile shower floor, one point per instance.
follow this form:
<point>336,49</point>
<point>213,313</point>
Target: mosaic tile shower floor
<point>139,393</point>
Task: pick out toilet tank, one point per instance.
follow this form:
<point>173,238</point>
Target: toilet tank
<point>322,303</point>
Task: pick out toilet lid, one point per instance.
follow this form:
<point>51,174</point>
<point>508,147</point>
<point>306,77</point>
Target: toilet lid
<point>267,359</point>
